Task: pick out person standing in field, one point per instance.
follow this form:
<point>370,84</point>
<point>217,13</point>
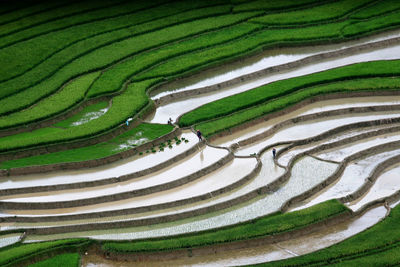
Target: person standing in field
<point>274,152</point>
<point>199,135</point>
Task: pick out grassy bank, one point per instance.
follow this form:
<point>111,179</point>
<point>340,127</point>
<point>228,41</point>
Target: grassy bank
<point>143,133</point>
<point>269,225</point>
<point>63,260</point>
<point>380,244</point>
<point>277,103</point>
<point>19,252</point>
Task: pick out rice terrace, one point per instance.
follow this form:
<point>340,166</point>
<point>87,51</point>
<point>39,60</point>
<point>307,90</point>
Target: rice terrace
<point>199,133</point>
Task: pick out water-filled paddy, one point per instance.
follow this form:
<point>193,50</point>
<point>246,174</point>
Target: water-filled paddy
<point>204,158</point>
<point>306,173</point>
<point>311,128</point>
<point>175,109</point>
<point>122,167</point>
<point>353,177</point>
<point>263,253</point>
<point>267,59</point>
<point>386,185</point>
<point>320,106</point>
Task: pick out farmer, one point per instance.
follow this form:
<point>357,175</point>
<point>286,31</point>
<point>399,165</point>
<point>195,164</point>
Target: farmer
<point>274,152</point>
<point>199,135</point>
<point>128,120</point>
<point>170,121</point>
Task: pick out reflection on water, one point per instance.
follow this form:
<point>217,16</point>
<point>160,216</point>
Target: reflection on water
<point>259,254</point>
<point>255,63</point>
<point>175,109</point>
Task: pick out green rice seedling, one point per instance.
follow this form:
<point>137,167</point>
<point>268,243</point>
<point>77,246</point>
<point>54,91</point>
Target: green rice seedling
<point>271,5</point>
<point>23,251</point>
<point>63,18</point>
<point>17,10</point>
<point>113,78</point>
<point>268,225</point>
<point>377,9</point>
<point>212,127</point>
<point>265,93</point>
<point>80,116</point>
<point>47,16</point>
<point>70,95</point>
<point>383,236</point>
<point>328,11</point>
<point>124,106</point>
<point>30,53</point>
<point>35,77</point>
<point>67,260</point>
<point>372,25</point>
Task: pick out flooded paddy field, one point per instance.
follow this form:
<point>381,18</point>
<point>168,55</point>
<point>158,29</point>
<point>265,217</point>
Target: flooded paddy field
<point>235,178</point>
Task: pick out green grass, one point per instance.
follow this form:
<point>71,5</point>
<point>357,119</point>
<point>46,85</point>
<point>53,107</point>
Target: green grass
<point>66,98</point>
<point>389,21</point>
<point>112,79</point>
<point>215,126</point>
<point>177,65</point>
<point>379,8</point>
<point>273,90</point>
<point>264,226</point>
<point>56,50</point>
<point>272,5</point>
<point>83,115</point>
<point>27,54</point>
<point>77,8</point>
<point>63,260</point>
<point>126,105</point>
<point>20,252</point>
<point>381,239</point>
<point>20,9</point>
<point>320,13</point>
<point>118,144</point>
<point>242,46</point>
<point>108,54</point>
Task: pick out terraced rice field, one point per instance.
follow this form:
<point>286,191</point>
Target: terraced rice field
<point>298,103</point>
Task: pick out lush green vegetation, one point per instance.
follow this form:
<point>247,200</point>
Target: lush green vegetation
<point>118,144</point>
<point>181,57</point>
<point>74,59</point>
<point>112,79</point>
<point>20,252</point>
<point>269,225</point>
<point>66,98</point>
<point>215,126</point>
<point>55,54</point>
<point>380,8</point>
<point>20,9</point>
<point>63,260</point>
<point>364,27</point>
<point>126,105</point>
<point>87,62</point>
<point>380,244</point>
<point>103,31</point>
<point>328,11</point>
<point>273,90</point>
<point>272,5</point>
<point>85,115</point>
<point>280,94</point>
